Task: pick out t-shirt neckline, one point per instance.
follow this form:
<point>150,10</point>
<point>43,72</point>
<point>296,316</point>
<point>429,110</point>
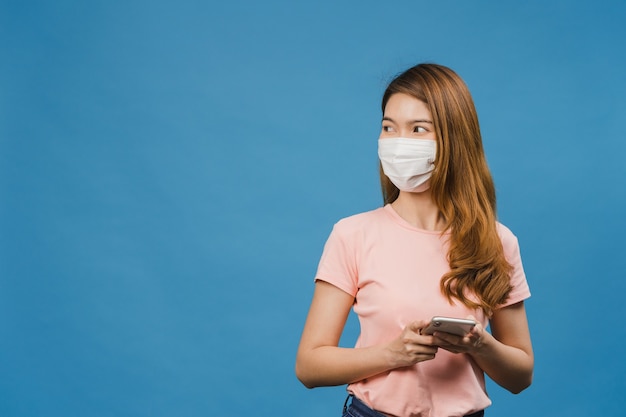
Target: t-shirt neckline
<point>401,222</point>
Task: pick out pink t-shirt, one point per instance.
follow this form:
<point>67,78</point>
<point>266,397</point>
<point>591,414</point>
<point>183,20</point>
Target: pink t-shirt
<point>393,270</point>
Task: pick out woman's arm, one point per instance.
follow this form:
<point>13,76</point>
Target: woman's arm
<point>506,355</point>
<point>320,362</point>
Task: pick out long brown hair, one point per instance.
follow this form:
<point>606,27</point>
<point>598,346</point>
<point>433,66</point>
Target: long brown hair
<point>461,187</point>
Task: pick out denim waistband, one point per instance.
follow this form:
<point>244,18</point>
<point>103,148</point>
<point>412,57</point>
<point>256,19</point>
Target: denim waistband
<point>358,408</point>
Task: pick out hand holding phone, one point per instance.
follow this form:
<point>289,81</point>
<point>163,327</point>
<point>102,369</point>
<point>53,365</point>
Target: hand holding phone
<point>459,327</point>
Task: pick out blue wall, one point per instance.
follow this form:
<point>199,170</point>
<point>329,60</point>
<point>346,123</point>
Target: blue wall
<point>169,172</point>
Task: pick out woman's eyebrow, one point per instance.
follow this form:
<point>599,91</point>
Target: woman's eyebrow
<point>410,122</point>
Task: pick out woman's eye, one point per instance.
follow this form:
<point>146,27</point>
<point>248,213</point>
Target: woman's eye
<point>387,129</point>
<point>420,129</point>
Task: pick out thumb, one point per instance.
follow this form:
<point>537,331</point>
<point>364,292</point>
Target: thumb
<point>417,325</point>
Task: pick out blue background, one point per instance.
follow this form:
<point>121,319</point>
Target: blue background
<point>169,173</point>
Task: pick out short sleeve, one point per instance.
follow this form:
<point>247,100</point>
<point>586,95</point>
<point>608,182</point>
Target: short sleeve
<point>520,289</point>
<point>338,264</point>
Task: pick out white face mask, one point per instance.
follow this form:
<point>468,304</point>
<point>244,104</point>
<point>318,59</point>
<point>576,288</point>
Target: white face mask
<point>408,162</point>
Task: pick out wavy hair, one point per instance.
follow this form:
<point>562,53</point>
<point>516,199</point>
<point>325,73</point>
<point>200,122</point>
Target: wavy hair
<point>461,186</point>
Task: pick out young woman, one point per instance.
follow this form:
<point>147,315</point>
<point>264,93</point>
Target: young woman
<point>434,249</point>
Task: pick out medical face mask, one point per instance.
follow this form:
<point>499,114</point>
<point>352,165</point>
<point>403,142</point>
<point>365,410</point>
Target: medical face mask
<point>408,162</point>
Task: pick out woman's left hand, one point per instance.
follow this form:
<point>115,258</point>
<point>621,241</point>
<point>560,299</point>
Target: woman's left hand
<point>469,343</point>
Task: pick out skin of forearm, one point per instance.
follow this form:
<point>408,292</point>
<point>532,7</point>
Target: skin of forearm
<point>330,365</point>
<point>508,366</point>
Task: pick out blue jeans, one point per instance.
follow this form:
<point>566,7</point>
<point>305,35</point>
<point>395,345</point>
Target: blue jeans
<point>357,408</point>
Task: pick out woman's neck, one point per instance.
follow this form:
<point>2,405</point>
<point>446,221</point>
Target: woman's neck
<point>419,210</point>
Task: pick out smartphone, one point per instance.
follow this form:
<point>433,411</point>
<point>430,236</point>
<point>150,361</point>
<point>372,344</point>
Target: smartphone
<point>459,327</point>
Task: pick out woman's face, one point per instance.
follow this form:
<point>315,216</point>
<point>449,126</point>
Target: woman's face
<point>407,117</point>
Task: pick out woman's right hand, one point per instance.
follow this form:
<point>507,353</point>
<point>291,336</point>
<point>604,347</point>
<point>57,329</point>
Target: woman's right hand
<point>411,347</point>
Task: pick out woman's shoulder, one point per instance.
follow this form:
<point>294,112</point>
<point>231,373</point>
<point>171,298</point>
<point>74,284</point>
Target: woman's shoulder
<point>508,238</point>
<point>361,220</point>
<point>503,230</point>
